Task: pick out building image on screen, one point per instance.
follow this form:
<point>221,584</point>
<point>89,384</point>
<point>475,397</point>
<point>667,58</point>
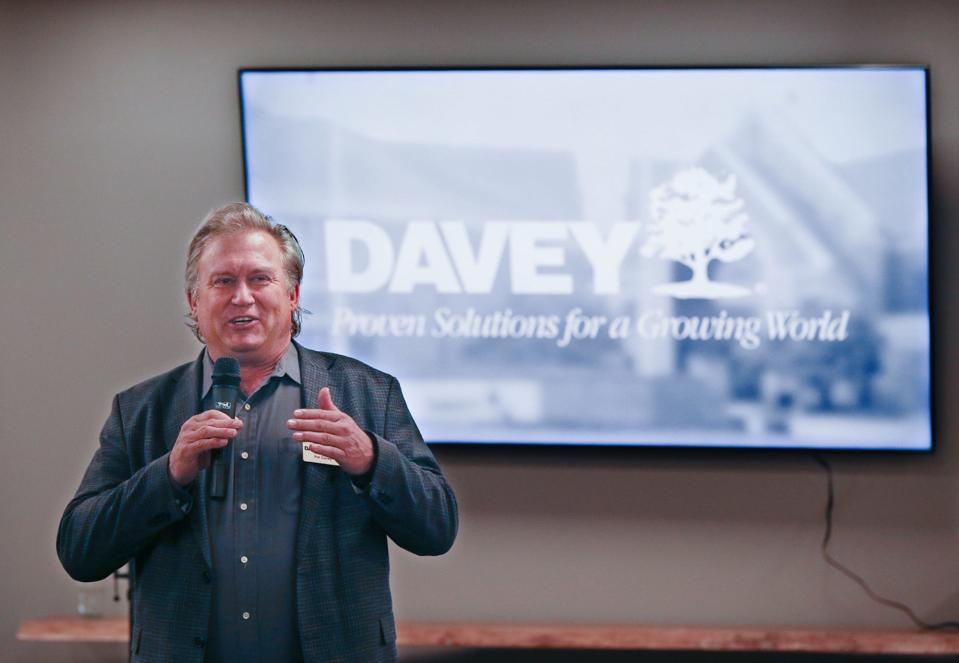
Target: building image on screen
<point>661,257</point>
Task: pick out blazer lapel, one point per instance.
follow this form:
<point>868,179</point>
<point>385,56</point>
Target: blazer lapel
<point>316,550</point>
<point>315,525</point>
<point>184,404</point>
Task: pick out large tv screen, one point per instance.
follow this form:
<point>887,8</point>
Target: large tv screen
<point>706,257</point>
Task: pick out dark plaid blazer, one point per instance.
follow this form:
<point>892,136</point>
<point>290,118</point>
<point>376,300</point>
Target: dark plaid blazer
<point>125,510</point>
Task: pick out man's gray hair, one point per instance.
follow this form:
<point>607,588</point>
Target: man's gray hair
<point>243,217</point>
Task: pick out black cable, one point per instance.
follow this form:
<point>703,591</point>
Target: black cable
<point>839,566</point>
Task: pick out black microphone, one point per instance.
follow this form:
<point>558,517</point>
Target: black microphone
<point>226,388</point>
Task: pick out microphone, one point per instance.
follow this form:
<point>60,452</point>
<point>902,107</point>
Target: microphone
<point>226,387</point>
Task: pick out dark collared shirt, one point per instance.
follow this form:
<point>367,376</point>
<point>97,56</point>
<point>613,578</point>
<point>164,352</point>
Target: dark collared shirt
<point>253,530</point>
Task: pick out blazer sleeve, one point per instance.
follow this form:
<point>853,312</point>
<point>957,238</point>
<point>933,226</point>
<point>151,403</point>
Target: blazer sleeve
<point>116,510</point>
<point>409,496</point>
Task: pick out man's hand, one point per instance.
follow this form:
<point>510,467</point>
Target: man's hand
<point>333,434</point>
<point>198,435</point>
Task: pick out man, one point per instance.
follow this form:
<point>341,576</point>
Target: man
<point>292,563</point>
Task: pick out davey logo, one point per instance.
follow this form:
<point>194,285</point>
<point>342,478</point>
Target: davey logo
<point>695,219</point>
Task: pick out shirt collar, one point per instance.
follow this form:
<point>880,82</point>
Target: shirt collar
<point>289,364</point>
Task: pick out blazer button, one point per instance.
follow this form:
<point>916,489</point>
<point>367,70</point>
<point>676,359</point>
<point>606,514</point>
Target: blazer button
<point>199,642</point>
<point>206,576</point>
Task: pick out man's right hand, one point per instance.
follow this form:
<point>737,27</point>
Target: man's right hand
<point>198,436</point>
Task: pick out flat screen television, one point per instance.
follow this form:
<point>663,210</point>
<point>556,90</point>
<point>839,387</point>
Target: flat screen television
<point>704,257</point>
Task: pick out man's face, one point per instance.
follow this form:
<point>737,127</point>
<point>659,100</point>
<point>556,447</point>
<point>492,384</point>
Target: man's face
<point>242,304</point>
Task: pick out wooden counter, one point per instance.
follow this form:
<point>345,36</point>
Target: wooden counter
<point>75,629</point>
<point>553,636</point>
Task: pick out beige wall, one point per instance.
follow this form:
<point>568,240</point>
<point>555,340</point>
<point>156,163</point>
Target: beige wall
<point>119,129</point>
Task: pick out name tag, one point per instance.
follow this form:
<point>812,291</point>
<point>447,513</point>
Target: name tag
<point>311,457</point>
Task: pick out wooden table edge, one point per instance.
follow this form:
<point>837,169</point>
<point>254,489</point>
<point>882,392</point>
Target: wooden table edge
<point>573,636</point>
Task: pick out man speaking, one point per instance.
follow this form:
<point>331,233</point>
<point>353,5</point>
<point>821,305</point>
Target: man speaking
<point>289,561</point>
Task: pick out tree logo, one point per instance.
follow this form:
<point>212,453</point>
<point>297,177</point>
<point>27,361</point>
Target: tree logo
<point>696,219</point>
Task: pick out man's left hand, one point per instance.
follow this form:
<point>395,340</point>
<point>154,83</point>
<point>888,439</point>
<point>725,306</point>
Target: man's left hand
<point>334,434</point>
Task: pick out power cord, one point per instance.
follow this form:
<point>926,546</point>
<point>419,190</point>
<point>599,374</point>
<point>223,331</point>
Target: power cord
<point>856,578</point>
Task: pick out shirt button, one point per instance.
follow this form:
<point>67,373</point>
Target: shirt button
<point>244,455</point>
<point>247,407</point>
<point>243,506</point>
<point>246,615</point>
<point>244,559</point>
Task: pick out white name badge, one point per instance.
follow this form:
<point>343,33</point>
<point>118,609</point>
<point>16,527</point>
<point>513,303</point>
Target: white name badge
<point>311,457</point>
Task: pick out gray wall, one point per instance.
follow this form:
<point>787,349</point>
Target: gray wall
<point>119,129</point>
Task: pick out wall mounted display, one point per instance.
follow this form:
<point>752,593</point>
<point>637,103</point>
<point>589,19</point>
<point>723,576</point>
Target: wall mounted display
<point>706,257</point>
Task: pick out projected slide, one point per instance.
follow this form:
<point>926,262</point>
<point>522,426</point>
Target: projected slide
<point>665,257</point>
